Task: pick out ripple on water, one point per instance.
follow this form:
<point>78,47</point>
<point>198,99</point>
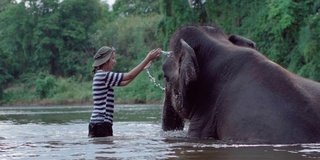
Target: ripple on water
<point>137,135</point>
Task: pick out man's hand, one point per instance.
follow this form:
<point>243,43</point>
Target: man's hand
<point>153,54</point>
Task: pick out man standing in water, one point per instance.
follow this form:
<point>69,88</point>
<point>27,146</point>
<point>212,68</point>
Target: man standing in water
<point>102,88</point>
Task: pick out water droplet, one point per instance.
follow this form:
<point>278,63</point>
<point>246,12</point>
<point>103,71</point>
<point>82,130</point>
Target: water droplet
<point>152,79</point>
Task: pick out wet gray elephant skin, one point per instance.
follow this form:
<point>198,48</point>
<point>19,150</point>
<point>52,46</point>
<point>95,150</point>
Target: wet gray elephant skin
<point>229,91</point>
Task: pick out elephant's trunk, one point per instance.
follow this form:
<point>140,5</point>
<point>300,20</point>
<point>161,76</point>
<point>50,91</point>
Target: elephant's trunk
<point>170,119</point>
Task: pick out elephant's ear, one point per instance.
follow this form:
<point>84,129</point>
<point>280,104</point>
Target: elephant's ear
<point>188,64</point>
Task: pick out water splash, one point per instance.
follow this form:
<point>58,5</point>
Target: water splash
<point>152,79</point>
<point>167,53</point>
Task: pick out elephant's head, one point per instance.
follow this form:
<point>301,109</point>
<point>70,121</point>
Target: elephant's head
<point>180,70</point>
<point>190,45</point>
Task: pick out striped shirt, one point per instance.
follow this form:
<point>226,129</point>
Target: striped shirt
<point>103,95</point>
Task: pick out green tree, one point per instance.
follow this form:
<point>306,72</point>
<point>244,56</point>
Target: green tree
<point>49,35</point>
<point>308,45</point>
<point>124,8</point>
<point>14,30</point>
<point>286,34</point>
<point>176,14</point>
<point>46,34</point>
<point>77,18</point>
<point>133,36</point>
<point>4,4</point>
<point>45,85</point>
<point>4,63</point>
<point>60,37</point>
<point>285,31</point>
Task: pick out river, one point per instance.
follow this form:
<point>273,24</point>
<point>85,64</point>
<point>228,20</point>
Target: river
<point>60,132</point>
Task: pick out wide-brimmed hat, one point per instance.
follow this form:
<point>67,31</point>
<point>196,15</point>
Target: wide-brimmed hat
<point>102,55</point>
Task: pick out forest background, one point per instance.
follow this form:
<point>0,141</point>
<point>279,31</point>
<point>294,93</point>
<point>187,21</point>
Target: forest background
<point>46,46</point>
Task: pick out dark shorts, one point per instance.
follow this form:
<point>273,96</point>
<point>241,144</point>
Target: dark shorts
<point>103,129</point>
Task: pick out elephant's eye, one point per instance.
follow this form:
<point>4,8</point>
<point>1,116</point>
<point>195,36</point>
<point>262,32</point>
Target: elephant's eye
<point>165,77</point>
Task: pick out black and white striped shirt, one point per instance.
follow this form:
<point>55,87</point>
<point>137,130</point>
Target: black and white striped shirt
<point>103,95</point>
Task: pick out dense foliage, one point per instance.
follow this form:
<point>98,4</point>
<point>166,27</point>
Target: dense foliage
<point>44,40</point>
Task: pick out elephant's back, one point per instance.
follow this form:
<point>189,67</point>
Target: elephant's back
<point>310,86</point>
<point>268,103</point>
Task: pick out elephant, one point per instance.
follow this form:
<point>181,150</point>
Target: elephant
<point>228,91</point>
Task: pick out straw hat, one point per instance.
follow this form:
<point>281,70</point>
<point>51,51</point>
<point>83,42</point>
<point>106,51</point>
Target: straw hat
<point>102,55</point>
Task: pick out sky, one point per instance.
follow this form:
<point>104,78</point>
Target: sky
<point>110,2</point>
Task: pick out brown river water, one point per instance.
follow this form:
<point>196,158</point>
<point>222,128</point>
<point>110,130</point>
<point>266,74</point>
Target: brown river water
<point>60,132</point>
